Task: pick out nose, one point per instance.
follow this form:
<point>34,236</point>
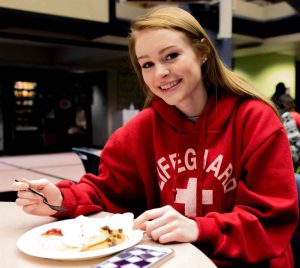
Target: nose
<point>162,70</point>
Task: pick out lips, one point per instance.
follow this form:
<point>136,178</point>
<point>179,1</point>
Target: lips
<point>170,85</point>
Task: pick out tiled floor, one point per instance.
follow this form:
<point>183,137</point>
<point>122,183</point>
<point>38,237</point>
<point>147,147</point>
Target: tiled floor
<point>55,167</point>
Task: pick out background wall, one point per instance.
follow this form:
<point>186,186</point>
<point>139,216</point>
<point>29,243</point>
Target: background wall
<point>94,10</point>
<point>265,71</point>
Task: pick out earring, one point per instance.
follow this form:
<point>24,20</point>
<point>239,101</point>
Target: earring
<point>204,60</point>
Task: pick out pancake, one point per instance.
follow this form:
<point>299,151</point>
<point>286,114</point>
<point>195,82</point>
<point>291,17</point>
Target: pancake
<point>82,238</point>
<point>115,237</point>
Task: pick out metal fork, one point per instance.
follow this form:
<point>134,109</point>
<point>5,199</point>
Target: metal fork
<point>45,201</point>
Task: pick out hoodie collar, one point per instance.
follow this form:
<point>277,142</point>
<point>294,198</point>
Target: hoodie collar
<point>216,113</point>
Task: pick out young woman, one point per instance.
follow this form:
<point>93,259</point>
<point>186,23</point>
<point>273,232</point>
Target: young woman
<point>207,161</point>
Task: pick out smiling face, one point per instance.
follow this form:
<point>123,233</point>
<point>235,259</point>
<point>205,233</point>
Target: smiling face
<point>171,69</point>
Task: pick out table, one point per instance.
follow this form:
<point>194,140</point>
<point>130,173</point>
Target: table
<point>14,222</point>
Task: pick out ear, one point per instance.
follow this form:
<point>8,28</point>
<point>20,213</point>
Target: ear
<point>203,57</point>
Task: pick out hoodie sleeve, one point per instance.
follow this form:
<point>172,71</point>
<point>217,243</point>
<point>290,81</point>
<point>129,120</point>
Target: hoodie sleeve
<point>265,213</point>
<point>115,189</point>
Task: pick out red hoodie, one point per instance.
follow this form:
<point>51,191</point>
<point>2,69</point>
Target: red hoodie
<point>233,176</point>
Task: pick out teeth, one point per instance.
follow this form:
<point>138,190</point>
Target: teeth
<point>172,84</point>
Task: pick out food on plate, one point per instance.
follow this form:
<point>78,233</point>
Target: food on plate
<point>114,237</point>
<point>82,235</point>
<point>53,232</point>
<point>81,238</point>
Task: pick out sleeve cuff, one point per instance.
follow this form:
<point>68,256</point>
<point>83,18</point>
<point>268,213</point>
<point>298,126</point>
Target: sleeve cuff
<point>206,229</point>
<point>69,200</point>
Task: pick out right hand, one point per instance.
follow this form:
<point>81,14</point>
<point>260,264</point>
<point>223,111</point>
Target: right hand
<point>32,203</point>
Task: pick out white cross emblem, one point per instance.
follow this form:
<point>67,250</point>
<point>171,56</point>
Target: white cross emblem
<point>188,197</point>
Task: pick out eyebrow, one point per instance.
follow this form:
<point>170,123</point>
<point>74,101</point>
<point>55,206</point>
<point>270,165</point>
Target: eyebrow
<point>160,52</point>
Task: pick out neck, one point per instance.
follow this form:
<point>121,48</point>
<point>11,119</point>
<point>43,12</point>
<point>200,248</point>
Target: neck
<point>196,104</point>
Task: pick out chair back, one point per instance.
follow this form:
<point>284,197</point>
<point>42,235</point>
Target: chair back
<point>90,159</point>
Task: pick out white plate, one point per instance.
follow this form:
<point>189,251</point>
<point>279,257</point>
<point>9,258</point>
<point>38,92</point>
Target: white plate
<point>30,243</point>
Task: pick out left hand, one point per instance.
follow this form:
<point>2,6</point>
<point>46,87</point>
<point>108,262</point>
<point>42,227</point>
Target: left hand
<point>166,225</point>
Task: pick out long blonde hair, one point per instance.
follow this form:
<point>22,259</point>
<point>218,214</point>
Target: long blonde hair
<point>215,73</point>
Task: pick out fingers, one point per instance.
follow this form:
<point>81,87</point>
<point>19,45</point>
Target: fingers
<point>38,184</point>
<point>23,200</point>
<point>25,194</point>
<point>30,209</point>
<point>25,197</point>
<point>158,223</point>
<point>31,202</point>
<point>162,233</point>
<point>148,215</point>
<point>167,225</point>
<point>21,185</point>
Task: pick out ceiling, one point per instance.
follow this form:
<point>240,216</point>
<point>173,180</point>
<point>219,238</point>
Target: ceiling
<point>31,39</point>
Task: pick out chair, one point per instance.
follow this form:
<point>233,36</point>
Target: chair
<point>90,159</point>
<point>8,196</point>
<point>296,237</point>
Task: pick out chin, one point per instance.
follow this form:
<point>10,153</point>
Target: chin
<point>170,102</point>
